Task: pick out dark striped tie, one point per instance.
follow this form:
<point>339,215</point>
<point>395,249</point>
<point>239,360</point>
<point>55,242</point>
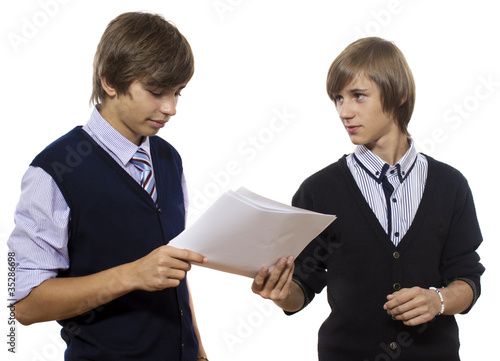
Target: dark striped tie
<point>142,162</point>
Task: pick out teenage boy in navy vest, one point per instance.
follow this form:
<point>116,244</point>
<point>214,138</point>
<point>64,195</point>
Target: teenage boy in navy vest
<point>90,242</point>
<point>400,260</point>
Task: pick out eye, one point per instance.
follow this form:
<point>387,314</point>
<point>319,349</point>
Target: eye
<point>156,93</point>
<point>179,89</point>
<point>338,99</point>
<point>359,96</point>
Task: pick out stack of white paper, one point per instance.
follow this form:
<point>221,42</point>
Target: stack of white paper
<point>242,232</point>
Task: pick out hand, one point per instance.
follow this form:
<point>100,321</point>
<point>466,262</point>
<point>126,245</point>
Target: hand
<point>275,285</point>
<point>164,267</point>
<point>413,306</point>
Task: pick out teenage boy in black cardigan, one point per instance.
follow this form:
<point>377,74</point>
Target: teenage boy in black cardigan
<point>400,261</point>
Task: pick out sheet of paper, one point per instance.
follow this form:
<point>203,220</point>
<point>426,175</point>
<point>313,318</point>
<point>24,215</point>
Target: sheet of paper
<point>242,232</point>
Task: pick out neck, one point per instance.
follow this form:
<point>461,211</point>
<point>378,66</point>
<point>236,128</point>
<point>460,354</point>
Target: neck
<point>391,152</point>
<point>113,116</point>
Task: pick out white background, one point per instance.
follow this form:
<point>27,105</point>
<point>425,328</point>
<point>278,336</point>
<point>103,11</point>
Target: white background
<point>256,59</point>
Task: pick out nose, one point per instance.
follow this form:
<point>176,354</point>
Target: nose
<point>168,105</point>
<point>344,109</point>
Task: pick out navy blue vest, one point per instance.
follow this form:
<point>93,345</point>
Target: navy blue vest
<point>115,221</point>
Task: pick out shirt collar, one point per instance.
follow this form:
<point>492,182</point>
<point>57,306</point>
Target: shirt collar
<point>109,137</point>
<point>376,167</point>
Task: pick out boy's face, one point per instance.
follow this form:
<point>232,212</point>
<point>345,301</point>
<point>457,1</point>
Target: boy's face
<point>359,106</point>
<point>141,113</point>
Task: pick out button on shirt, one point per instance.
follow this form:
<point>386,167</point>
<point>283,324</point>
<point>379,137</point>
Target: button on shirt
<point>42,216</point>
<point>407,177</point>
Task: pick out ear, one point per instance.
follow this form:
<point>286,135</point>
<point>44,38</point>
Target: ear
<point>109,89</point>
<point>405,98</point>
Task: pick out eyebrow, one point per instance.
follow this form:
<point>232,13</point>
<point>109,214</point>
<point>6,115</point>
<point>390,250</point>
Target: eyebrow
<point>357,90</point>
<point>175,88</point>
<point>159,87</point>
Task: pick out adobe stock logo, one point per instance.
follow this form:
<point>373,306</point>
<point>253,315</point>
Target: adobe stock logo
<point>379,20</point>
<point>73,158</point>
<point>248,149</point>
<point>222,7</point>
<point>52,350</point>
<point>31,25</point>
<point>247,326</point>
<point>461,112</point>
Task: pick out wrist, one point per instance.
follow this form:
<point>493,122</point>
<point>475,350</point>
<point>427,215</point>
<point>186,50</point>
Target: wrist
<point>127,275</point>
<point>294,301</point>
<point>441,300</point>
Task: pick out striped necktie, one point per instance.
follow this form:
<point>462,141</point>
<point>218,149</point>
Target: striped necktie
<point>142,162</point>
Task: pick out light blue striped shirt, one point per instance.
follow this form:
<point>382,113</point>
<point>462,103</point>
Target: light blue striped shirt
<point>407,176</point>
<point>40,235</point>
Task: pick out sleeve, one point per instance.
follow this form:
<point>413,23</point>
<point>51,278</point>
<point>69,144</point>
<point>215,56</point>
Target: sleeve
<point>460,261</point>
<point>40,236</point>
<point>310,266</point>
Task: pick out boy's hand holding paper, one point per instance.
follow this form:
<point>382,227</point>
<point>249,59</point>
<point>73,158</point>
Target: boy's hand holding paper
<point>242,232</point>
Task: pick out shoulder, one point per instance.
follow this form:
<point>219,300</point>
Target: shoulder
<point>76,133</point>
<point>444,172</point>
<point>448,183</point>
<point>326,176</point>
<point>323,185</point>
<point>74,143</point>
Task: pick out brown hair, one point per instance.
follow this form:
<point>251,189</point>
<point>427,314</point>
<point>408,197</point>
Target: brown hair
<point>383,63</point>
<point>141,46</point>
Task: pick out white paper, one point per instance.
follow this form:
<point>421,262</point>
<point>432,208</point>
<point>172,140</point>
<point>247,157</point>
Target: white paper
<point>242,232</point>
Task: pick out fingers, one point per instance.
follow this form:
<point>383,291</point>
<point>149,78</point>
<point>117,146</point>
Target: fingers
<point>275,284</point>
<point>175,262</point>
<point>399,297</point>
<point>287,274</point>
<point>412,306</point>
<point>185,254</point>
<point>164,267</point>
<point>259,280</point>
<point>264,279</point>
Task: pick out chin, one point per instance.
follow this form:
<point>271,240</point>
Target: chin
<point>151,132</point>
<point>357,141</point>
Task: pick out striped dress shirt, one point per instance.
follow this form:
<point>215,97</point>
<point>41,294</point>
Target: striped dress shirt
<point>407,177</point>
<point>40,235</point>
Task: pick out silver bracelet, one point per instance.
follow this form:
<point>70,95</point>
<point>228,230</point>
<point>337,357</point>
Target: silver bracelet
<point>441,298</point>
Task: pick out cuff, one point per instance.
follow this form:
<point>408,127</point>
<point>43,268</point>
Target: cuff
<point>475,292</point>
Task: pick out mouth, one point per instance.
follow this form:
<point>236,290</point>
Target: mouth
<point>157,123</point>
<point>352,128</point>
